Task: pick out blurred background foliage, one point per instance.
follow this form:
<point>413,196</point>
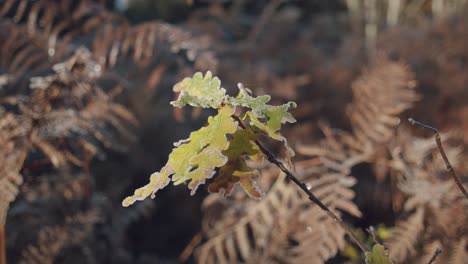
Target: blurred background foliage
<point>313,52</point>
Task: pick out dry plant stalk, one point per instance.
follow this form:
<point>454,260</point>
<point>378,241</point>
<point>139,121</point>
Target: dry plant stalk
<point>2,245</point>
<point>271,158</point>
<point>434,257</point>
<point>444,156</point>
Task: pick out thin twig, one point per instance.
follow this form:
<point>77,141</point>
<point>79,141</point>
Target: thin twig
<point>436,254</point>
<point>2,244</point>
<point>371,231</point>
<point>271,158</point>
<point>444,156</point>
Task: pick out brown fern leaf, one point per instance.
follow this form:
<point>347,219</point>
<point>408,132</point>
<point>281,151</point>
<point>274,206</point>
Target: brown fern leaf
<point>384,90</point>
<point>52,240</point>
<point>20,56</point>
<point>249,232</point>
<point>428,252</point>
<point>416,150</point>
<point>71,187</point>
<point>58,20</point>
<point>37,34</point>
<point>143,42</point>
<point>109,36</point>
<point>406,234</point>
<point>96,112</point>
<point>338,152</point>
<point>459,252</point>
<point>254,236</point>
<point>332,188</point>
<point>12,156</point>
<point>422,176</point>
<point>422,172</point>
<point>318,238</point>
<point>65,117</point>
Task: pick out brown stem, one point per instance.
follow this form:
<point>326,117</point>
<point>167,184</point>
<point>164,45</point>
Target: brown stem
<point>2,244</point>
<point>271,158</point>
<point>434,257</point>
<point>444,156</point>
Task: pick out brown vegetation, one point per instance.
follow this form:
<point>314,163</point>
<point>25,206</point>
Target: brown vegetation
<point>85,115</point>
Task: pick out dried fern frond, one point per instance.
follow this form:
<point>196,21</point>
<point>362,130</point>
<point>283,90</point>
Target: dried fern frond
<point>108,35</point>
<point>237,241</point>
<point>428,253</point>
<point>384,90</point>
<point>338,151</point>
<point>459,252</point>
<point>406,234</point>
<point>12,156</point>
<point>320,242</point>
<point>422,176</point>
<point>422,172</point>
<point>58,22</point>
<point>63,64</point>
<point>65,117</point>
<point>142,43</point>
<point>254,235</point>
<point>95,113</point>
<point>20,56</point>
<point>52,240</point>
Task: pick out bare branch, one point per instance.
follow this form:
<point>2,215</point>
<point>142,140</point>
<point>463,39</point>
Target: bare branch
<point>434,257</point>
<point>444,156</point>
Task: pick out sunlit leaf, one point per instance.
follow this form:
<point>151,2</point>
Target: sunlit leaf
<point>200,91</point>
<point>378,255</point>
<point>194,159</point>
<point>266,118</point>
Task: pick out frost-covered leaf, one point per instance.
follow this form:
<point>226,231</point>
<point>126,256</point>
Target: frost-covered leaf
<point>378,255</point>
<point>266,118</point>
<point>236,169</point>
<point>195,159</point>
<point>275,115</point>
<point>158,181</point>
<point>200,91</point>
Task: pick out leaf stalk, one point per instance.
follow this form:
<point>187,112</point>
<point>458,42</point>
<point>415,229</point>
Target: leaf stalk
<point>271,158</point>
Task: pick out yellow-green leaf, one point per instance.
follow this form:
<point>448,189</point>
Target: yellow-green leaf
<point>378,255</point>
<point>266,118</point>
<point>275,115</point>
<point>158,181</point>
<point>194,159</point>
<point>200,91</point>
<point>197,159</point>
